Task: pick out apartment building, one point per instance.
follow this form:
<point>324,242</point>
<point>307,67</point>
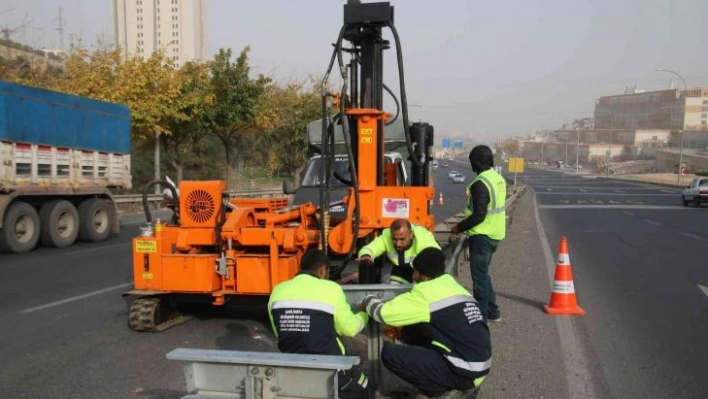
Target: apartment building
<point>177,27</point>
<point>670,109</point>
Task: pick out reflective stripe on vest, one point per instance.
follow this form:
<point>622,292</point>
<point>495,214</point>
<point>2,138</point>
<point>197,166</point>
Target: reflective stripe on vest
<point>450,301</point>
<point>493,208</point>
<point>393,258</point>
<point>474,367</point>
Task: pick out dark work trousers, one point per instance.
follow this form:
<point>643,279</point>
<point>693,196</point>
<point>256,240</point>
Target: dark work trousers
<point>481,250</point>
<point>353,384</point>
<point>423,368</point>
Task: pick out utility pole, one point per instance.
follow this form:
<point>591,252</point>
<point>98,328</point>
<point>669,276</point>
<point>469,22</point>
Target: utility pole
<point>683,120</point>
<point>157,134</point>
<point>60,27</point>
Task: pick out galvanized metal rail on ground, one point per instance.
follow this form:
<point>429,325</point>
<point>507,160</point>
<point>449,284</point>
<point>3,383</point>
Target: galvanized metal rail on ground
<point>255,375</point>
<point>260,375</point>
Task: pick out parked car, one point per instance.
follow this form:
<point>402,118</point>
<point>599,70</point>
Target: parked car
<point>696,192</point>
<point>458,178</point>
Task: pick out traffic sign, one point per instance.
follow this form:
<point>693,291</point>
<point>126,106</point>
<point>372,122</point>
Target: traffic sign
<point>516,165</point>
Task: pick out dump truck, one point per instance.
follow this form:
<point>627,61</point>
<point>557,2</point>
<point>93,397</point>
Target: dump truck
<point>61,158</point>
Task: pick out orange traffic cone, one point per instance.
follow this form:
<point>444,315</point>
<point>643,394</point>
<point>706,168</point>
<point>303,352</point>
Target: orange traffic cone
<point>563,300</point>
<point>440,199</point>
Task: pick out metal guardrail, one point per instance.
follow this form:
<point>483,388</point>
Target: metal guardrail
<point>130,198</point>
<point>132,203</point>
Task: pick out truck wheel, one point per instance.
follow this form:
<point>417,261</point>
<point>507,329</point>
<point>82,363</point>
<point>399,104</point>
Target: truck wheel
<point>20,231</point>
<point>60,223</point>
<point>95,220</point>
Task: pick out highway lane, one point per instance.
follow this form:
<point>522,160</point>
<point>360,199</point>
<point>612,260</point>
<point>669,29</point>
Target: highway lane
<point>63,323</point>
<point>639,264</point>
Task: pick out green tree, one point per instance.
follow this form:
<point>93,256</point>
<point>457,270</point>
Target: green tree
<point>236,101</point>
<point>287,110</point>
<point>186,127</point>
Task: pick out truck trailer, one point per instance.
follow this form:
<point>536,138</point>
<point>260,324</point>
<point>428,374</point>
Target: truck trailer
<point>61,158</point>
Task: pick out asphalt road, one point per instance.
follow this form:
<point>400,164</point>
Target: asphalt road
<point>64,332</point>
<point>640,272</point>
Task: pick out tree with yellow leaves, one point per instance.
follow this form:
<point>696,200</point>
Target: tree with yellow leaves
<point>237,98</point>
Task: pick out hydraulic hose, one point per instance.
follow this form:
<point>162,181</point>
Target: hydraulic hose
<point>398,106</point>
<point>324,206</point>
<point>353,168</point>
<point>146,203</point>
<point>404,99</point>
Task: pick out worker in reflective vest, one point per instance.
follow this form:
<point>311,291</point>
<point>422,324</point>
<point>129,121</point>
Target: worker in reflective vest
<point>484,225</point>
<point>448,343</point>
<point>308,314</point>
<point>400,243</point>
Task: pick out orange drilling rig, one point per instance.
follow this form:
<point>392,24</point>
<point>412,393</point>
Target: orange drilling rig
<point>218,247</point>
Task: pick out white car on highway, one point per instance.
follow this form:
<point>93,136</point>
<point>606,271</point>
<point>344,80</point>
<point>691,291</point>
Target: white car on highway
<point>452,174</point>
<point>696,192</point>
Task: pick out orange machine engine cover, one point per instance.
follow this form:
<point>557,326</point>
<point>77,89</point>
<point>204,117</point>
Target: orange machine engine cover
<point>200,202</point>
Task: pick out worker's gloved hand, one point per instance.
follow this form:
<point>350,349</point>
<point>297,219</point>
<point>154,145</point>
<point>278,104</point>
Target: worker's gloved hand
<point>366,300</point>
<point>366,260</point>
<point>455,229</point>
<point>393,332</point>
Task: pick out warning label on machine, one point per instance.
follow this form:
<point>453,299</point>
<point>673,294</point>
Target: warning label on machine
<point>145,246</point>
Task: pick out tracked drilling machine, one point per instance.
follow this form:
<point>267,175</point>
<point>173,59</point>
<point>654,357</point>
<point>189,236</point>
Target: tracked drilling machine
<point>219,247</point>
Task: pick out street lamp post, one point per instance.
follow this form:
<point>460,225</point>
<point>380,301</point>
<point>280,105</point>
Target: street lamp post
<point>609,149</point>
<point>577,151</point>
<point>681,132</point>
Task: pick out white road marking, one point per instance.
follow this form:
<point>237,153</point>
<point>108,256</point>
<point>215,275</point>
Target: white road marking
<point>548,189</point>
<point>653,222</point>
<point>694,236</point>
<point>76,298</point>
<point>669,207</point>
<point>704,289</point>
<point>580,384</point>
<point>585,191</point>
<point>628,213</point>
<point>668,191</point>
<point>612,194</point>
<point>98,248</point>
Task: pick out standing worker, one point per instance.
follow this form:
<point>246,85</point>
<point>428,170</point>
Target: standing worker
<point>448,351</point>
<point>308,314</point>
<point>401,243</point>
<point>484,225</point>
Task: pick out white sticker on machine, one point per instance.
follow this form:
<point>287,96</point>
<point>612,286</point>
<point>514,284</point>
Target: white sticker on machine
<point>395,207</point>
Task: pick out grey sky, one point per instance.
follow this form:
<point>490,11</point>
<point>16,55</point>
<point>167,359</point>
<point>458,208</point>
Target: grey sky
<point>477,68</point>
